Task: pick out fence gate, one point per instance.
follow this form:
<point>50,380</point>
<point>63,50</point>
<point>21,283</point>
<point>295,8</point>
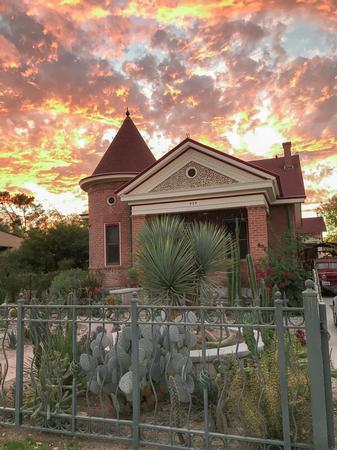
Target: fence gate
<point>199,377</point>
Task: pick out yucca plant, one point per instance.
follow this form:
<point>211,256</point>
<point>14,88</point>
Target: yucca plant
<point>176,258</point>
<point>165,261</point>
<point>211,247</point>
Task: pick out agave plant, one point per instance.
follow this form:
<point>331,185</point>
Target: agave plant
<point>210,246</point>
<point>176,259</point>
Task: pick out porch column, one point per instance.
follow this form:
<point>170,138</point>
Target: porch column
<point>137,224</point>
<point>257,231</point>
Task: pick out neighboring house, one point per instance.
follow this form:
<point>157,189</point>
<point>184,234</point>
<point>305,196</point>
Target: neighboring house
<point>313,228</point>
<point>9,241</point>
<point>196,182</point>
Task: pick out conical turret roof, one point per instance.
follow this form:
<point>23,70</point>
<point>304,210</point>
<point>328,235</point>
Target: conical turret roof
<point>127,153</point>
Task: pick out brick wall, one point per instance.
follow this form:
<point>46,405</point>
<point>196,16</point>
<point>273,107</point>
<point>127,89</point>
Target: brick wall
<point>100,213</point>
<point>257,231</point>
<point>137,224</point>
<point>279,221</point>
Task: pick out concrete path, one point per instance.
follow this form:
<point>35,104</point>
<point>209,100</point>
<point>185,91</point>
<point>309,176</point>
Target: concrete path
<point>332,331</point>
<point>11,361</point>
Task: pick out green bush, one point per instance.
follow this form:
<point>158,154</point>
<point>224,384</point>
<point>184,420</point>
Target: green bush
<point>3,294</point>
<point>133,276</point>
<point>11,284</point>
<point>94,279</point>
<point>285,268</point>
<point>32,284</point>
<point>66,281</point>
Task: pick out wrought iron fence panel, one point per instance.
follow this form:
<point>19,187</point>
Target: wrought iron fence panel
<point>8,344</point>
<point>189,377</point>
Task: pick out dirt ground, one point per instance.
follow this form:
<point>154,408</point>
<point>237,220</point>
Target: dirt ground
<point>59,442</point>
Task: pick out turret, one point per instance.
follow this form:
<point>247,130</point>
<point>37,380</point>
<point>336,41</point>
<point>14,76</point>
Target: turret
<point>109,218</point>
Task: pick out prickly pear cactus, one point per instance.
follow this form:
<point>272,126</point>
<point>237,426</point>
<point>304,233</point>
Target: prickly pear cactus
<point>163,353</point>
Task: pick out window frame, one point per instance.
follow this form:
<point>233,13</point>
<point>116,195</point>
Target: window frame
<point>119,263</point>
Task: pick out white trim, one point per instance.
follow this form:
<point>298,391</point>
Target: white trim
<point>201,205</point>
<point>179,150</point>
<point>108,197</point>
<point>191,168</point>
<point>86,182</point>
<point>265,186</point>
<point>284,201</point>
<point>120,244</point>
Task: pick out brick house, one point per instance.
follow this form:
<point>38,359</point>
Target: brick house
<point>196,182</point>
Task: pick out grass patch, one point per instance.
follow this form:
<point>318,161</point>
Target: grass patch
<point>25,445</point>
<point>34,445</point>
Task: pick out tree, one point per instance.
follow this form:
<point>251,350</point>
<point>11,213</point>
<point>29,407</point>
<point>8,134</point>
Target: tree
<point>19,213</point>
<point>63,245</point>
<point>328,210</point>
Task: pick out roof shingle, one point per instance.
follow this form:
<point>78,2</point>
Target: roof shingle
<point>127,153</point>
<point>291,180</point>
<point>312,225</point>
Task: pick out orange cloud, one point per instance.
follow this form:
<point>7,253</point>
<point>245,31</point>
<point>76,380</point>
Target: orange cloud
<point>9,55</point>
<point>226,72</point>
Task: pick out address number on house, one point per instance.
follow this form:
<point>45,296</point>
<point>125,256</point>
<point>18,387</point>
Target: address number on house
<point>193,203</point>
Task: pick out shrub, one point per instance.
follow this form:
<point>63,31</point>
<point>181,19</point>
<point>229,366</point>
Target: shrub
<point>66,281</point>
<point>3,293</point>
<point>94,279</point>
<point>285,268</point>
<point>133,276</point>
<point>11,284</point>
<point>15,278</point>
<point>253,396</point>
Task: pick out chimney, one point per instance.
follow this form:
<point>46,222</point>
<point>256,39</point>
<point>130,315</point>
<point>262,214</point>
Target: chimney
<point>288,164</point>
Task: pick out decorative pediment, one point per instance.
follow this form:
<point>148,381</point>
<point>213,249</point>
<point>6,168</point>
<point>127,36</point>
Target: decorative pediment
<point>196,171</point>
<point>202,177</point>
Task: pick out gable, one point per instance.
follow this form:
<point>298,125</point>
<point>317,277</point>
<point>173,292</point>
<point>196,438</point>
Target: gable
<point>224,174</point>
<point>205,177</point>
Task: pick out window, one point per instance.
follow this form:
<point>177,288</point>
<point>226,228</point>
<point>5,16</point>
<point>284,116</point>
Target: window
<point>191,172</point>
<point>111,200</point>
<point>112,244</point>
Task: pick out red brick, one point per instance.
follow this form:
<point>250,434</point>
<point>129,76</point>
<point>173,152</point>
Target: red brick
<point>257,231</point>
<point>101,214</point>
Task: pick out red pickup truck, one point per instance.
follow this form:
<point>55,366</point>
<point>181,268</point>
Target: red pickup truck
<point>327,274</point>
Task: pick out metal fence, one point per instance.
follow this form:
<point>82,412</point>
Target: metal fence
<point>199,377</point>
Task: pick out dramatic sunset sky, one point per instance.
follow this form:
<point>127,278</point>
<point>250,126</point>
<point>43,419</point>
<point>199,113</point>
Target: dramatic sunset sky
<point>241,76</point>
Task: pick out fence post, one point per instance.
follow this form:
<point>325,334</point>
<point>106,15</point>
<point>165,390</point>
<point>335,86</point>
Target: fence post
<point>20,348</point>
<point>315,366</point>
<point>283,371</point>
<point>135,371</point>
<point>204,377</point>
<point>74,363</point>
<point>327,375</point>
